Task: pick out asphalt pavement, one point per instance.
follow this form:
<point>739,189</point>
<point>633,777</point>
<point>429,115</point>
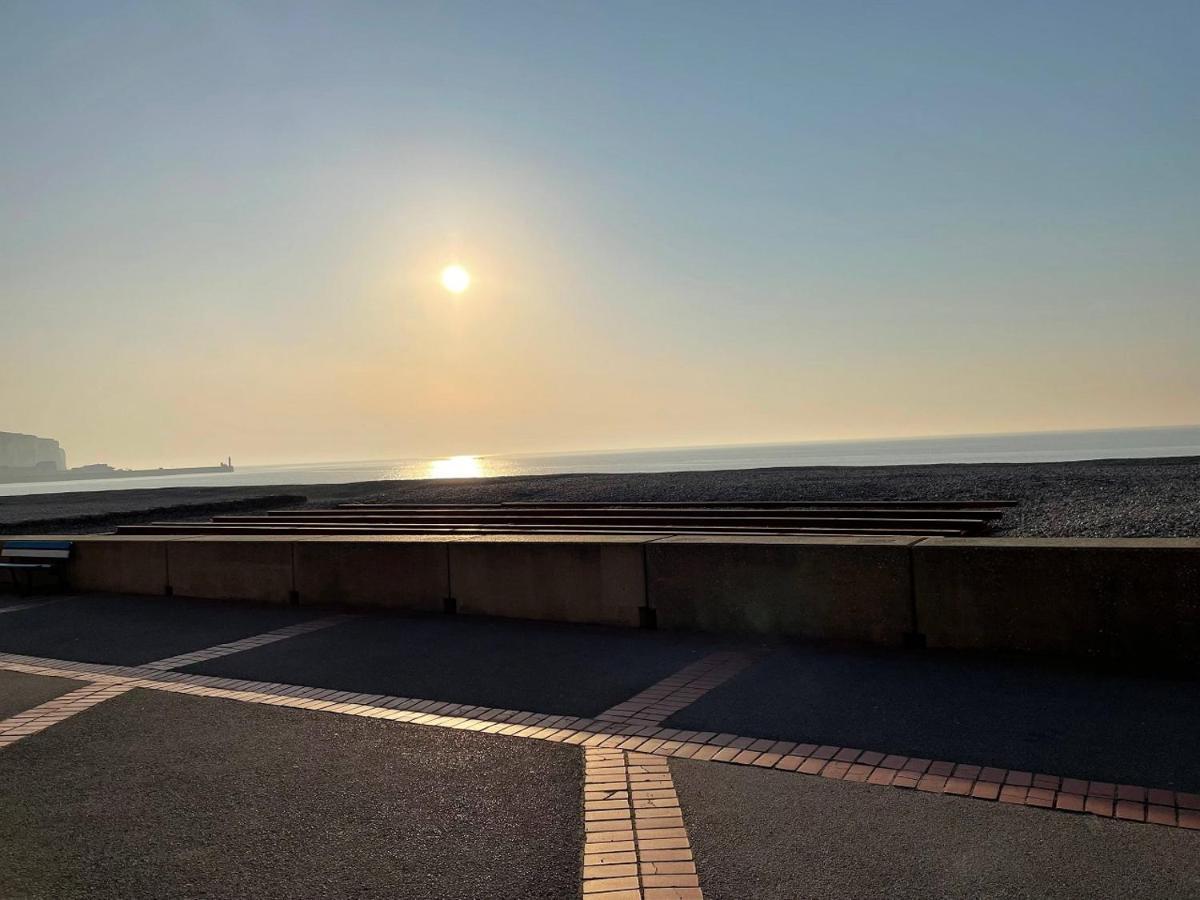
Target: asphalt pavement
<point>767,836</point>
<point>1067,720</point>
<point>569,669</point>
<point>19,692</point>
<point>154,795</point>
<point>128,631</point>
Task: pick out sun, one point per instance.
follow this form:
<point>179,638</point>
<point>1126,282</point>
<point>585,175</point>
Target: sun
<point>456,279</point>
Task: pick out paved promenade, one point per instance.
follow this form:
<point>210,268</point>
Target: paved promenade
<point>156,747</point>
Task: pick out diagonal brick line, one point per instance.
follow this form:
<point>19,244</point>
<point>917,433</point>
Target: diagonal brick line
<point>635,844</point>
<point>54,711</point>
<point>662,700</point>
<point>257,640</point>
<point>1129,802</point>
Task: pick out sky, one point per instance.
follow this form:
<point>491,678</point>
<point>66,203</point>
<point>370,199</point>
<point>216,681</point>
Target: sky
<point>222,224</point>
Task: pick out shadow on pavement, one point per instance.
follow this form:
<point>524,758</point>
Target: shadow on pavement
<point>775,836</point>
<point>541,667</point>
<point>1015,714</point>
<point>128,631</point>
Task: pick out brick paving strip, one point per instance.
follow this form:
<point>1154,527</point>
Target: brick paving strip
<point>662,700</point>
<point>258,640</point>
<point>54,711</point>
<point>636,845</point>
<point>1129,802</point>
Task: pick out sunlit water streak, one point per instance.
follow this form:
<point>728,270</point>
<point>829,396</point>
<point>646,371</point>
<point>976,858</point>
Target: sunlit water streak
<point>1041,447</point>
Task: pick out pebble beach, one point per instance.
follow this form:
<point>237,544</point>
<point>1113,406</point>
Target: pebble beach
<point>1102,498</point>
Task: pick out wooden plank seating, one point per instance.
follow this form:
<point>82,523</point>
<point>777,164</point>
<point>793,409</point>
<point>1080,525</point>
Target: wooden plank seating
<point>284,528</point>
<point>619,515</point>
<point>707,504</point>
<point>954,518</point>
<point>630,523</point>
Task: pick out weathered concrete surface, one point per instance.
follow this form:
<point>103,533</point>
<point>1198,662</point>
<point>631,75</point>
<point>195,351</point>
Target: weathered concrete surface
<point>126,566</point>
<point>231,568</point>
<point>1119,599</point>
<point>598,579</point>
<point>855,589</point>
<point>397,571</point>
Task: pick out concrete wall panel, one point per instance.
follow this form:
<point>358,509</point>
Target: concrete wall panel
<point>567,578</point>
<point>1117,599</point>
<point>400,573</point>
<point>855,589</point>
<point>231,568</point>
<point>125,566</point>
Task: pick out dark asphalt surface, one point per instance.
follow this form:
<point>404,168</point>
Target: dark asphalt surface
<point>19,692</point>
<point>1061,721</point>
<point>128,631</point>
<point>161,795</point>
<point>777,836</point>
<point>541,667</point>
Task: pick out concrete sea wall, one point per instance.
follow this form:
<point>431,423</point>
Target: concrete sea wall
<point>1106,599</point>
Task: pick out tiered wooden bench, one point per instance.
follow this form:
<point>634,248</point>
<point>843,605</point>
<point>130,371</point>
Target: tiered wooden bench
<point>923,518</point>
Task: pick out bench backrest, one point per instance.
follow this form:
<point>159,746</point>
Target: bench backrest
<point>36,550</point>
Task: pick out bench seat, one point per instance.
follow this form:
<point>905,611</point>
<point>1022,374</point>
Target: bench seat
<point>33,556</point>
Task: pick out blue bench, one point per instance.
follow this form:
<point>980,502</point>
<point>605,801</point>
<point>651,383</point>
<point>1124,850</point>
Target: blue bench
<point>28,558</point>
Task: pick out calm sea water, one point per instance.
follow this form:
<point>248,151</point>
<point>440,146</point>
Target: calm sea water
<point>1039,447</point>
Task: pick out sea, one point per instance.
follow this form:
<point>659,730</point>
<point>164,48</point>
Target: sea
<point>1057,446</point>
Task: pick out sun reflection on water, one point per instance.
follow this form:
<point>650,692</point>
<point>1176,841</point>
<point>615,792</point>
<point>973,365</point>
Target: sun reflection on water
<point>456,467</point>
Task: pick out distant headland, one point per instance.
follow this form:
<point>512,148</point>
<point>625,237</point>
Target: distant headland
<point>29,458</point>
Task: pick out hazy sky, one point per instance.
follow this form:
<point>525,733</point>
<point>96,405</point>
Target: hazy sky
<point>221,224</point>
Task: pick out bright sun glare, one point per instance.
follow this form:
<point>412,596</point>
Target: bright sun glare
<point>456,467</point>
<point>455,279</point>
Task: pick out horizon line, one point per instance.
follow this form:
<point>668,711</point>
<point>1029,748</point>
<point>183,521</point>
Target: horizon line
<point>729,445</point>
